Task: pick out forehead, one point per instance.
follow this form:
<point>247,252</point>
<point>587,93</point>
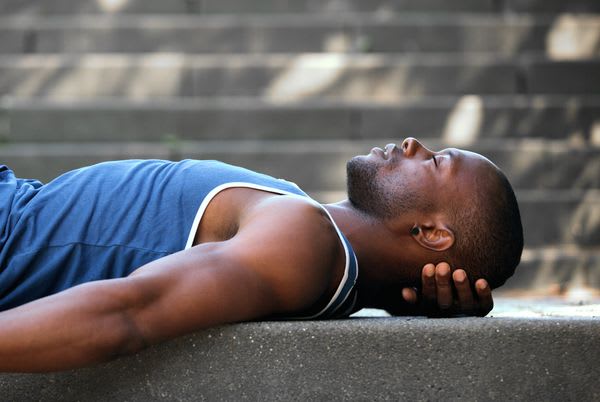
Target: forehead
<point>470,169</point>
<point>469,161</point>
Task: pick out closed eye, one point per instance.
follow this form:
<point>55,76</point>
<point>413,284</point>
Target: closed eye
<point>434,160</point>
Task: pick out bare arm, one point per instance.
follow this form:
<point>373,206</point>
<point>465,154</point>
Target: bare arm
<point>101,320</point>
<point>207,285</point>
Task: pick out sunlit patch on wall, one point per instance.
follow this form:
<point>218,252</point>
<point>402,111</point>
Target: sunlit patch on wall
<point>573,37</point>
<point>595,133</point>
<point>112,6</point>
<point>306,75</point>
<point>337,42</point>
<point>464,121</point>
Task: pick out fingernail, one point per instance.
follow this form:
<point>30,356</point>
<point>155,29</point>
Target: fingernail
<point>443,269</point>
<point>459,276</point>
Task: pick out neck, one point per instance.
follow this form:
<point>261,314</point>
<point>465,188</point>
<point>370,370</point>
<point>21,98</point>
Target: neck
<point>383,256</point>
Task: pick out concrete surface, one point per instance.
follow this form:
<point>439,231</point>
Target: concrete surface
<point>344,32</point>
<point>299,6</point>
<point>557,168</point>
<point>544,357</point>
<point>291,77</point>
<point>486,118</point>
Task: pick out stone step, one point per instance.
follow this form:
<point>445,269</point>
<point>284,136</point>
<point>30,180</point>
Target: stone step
<point>558,186</point>
<point>51,7</point>
<point>558,271</point>
<point>366,359</point>
<point>291,77</point>
<point>319,165</point>
<point>459,120</point>
<point>565,36</point>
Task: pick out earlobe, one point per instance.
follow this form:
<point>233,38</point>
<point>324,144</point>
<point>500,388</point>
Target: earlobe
<point>436,237</point>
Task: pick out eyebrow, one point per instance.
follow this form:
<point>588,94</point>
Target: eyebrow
<point>453,154</point>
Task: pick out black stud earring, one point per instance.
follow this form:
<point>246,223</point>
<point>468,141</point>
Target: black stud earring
<point>415,231</point>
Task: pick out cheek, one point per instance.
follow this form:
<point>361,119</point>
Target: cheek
<point>394,186</point>
<point>406,176</point>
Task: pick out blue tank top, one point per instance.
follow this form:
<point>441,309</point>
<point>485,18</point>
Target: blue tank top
<point>105,221</point>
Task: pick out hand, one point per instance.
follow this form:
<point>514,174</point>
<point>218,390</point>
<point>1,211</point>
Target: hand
<point>438,298</point>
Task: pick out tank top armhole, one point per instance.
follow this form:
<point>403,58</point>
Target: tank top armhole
<point>213,193</point>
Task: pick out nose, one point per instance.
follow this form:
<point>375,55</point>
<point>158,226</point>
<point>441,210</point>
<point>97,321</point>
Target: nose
<point>411,146</point>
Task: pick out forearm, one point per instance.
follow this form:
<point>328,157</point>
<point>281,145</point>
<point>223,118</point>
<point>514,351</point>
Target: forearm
<point>77,327</point>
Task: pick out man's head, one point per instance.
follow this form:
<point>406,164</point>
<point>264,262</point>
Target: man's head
<point>458,205</point>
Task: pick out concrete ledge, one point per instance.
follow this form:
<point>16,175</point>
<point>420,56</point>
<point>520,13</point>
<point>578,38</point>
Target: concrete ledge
<point>346,32</point>
<point>315,165</point>
<point>50,7</point>
<point>358,359</point>
<point>292,77</point>
<point>114,119</point>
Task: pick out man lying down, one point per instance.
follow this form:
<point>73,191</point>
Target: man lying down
<point>106,260</point>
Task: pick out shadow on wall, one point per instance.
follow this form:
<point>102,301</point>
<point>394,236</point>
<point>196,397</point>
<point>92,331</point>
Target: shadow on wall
<point>81,76</point>
<point>33,7</point>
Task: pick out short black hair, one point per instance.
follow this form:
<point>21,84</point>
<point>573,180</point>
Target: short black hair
<point>495,252</point>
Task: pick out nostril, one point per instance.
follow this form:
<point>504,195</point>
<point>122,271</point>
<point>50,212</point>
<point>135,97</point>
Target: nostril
<point>410,146</point>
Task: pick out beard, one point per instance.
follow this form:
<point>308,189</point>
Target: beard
<point>378,195</point>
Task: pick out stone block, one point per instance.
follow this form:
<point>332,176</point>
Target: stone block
<point>552,6</point>
<point>567,77</point>
<point>458,120</point>
<point>356,359</point>
<point>345,33</point>
<point>61,7</point>
<point>556,271</point>
<point>289,78</point>
<point>69,7</point>
<point>324,6</point>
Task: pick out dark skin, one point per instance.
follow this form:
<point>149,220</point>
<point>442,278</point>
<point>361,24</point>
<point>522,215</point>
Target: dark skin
<point>269,255</point>
<point>393,256</point>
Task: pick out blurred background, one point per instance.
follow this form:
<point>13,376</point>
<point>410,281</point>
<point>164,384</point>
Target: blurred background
<point>294,88</point>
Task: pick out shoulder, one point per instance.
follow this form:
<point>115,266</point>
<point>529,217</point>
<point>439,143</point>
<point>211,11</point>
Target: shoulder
<point>293,244</point>
<point>290,212</point>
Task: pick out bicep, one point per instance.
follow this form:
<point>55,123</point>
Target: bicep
<point>279,262</point>
<point>194,289</point>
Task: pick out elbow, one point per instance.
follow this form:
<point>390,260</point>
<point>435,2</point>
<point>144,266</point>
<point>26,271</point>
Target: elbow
<point>128,339</point>
<point>126,303</point>
<point>116,332</point>
<point>130,312</point>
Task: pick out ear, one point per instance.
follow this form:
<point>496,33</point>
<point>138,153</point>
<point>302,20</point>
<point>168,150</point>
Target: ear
<point>434,236</point>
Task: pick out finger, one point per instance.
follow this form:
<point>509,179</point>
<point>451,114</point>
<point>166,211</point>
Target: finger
<point>409,295</point>
<point>463,289</point>
<point>484,293</point>
<point>444,288</point>
<point>428,281</point>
